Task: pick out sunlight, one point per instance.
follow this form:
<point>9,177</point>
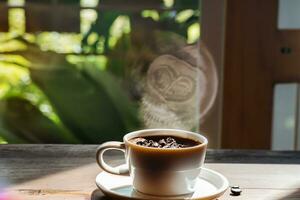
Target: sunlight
<point>151,13</point>
<point>168,3</point>
<point>184,15</point>
<point>16,2</point>
<point>68,42</point>
<point>98,61</point>
<point>53,185</point>
<point>91,47</point>
<point>16,20</point>
<point>2,141</point>
<point>89,3</point>
<point>120,26</point>
<point>87,18</point>
<point>13,74</point>
<point>193,33</point>
<point>12,45</point>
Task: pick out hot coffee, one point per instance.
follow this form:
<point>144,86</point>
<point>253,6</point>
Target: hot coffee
<point>160,161</point>
<point>164,142</point>
<point>166,152</point>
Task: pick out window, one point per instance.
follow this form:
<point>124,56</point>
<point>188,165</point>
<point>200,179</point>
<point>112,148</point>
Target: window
<point>72,71</point>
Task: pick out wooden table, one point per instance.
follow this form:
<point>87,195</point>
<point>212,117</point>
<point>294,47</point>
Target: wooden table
<point>62,172</point>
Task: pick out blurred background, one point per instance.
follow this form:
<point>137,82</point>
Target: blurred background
<point>73,71</point>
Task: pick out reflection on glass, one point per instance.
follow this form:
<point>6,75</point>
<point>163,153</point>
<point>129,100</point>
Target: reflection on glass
<point>89,87</point>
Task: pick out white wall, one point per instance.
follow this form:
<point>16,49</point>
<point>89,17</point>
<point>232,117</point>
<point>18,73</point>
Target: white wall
<point>289,14</point>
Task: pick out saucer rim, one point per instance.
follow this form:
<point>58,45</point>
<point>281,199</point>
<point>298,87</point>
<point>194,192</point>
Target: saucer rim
<point>219,192</point>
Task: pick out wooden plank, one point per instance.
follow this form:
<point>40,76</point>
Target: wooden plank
<point>260,176</point>
<point>257,73</point>
<point>287,65</point>
<point>212,34</point>
<point>85,154</point>
<point>249,58</point>
<point>253,156</point>
<point>248,194</point>
<point>118,5</point>
<point>233,78</point>
<point>3,18</point>
<point>137,5</point>
<point>54,1</point>
<point>255,60</point>
<point>130,5</point>
<point>55,17</point>
<point>57,172</point>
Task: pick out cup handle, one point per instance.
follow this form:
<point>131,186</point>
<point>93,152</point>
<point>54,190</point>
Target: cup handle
<point>106,147</point>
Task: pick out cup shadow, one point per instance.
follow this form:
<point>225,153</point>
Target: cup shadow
<point>293,195</point>
<point>98,195</point>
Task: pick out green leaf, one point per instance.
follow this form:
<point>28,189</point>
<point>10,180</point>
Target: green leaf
<point>102,27</point>
<point>25,121</point>
<point>9,136</point>
<point>5,133</point>
<point>82,105</point>
<point>125,107</point>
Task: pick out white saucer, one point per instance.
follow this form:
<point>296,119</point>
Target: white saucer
<point>210,185</point>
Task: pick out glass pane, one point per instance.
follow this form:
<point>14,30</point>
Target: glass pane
<point>288,14</point>
<point>131,67</point>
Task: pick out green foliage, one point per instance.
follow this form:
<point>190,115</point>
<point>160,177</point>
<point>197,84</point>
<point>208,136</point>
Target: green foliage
<point>82,104</point>
<point>126,109</point>
<point>48,97</point>
<point>27,123</point>
<point>102,28</point>
<point>85,98</point>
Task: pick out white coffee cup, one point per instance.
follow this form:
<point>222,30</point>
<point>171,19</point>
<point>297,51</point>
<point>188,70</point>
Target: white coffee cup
<point>159,171</point>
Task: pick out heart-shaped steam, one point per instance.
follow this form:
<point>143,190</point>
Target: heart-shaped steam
<point>179,89</point>
<point>172,79</point>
